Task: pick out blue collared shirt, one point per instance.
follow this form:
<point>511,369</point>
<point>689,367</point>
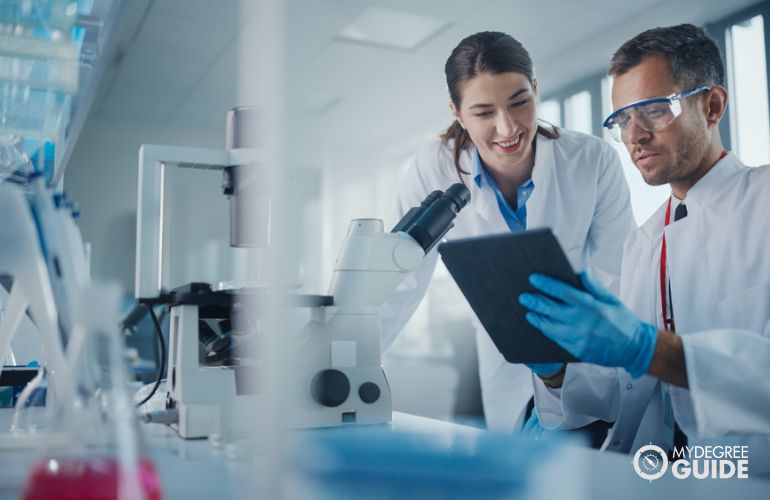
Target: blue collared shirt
<point>515,217</point>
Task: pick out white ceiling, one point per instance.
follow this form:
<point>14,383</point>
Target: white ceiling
<point>178,68</point>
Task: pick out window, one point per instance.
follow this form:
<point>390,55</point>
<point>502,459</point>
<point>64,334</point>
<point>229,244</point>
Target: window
<point>577,112</point>
<point>747,84</point>
<point>550,111</point>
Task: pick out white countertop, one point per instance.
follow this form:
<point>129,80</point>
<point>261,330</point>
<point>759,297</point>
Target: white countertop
<point>197,469</point>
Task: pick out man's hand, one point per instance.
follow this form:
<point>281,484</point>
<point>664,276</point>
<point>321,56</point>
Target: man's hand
<point>592,325</point>
<point>546,370</point>
<point>552,374</point>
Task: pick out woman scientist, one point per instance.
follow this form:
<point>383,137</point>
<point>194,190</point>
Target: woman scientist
<point>521,175</point>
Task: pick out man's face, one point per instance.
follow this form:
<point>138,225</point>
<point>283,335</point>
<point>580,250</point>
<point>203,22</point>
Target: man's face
<point>674,153</point>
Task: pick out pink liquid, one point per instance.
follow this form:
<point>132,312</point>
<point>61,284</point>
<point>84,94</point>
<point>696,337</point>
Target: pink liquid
<point>94,479</point>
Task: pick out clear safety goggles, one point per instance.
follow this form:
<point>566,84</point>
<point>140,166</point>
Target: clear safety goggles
<point>649,114</point>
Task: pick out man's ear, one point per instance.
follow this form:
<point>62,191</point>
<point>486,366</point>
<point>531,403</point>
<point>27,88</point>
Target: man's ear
<point>716,104</point>
<point>456,113</point>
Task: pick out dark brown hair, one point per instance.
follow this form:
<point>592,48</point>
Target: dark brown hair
<point>485,52</point>
<point>693,55</point>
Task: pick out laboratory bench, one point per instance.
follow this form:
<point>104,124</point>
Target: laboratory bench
<point>205,469</point>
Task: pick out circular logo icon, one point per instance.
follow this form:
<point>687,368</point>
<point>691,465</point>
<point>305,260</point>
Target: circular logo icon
<point>650,462</point>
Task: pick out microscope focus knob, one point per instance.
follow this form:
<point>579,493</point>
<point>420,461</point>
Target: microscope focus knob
<point>330,388</point>
<point>369,392</point>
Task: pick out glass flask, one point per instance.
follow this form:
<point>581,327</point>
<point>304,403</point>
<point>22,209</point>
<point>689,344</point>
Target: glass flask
<point>102,455</point>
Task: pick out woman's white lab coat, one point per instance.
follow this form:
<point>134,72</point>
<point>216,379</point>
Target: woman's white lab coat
<point>719,268</point>
<point>579,192</point>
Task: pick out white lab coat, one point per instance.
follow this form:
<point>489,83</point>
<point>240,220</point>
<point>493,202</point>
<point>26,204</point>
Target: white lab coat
<point>579,192</point>
<point>720,285</point>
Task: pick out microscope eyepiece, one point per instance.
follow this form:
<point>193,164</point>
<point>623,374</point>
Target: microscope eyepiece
<point>414,213</point>
<point>429,222</point>
<point>459,194</point>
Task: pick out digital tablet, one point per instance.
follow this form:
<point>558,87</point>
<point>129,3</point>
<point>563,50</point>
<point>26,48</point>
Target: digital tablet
<point>492,271</point>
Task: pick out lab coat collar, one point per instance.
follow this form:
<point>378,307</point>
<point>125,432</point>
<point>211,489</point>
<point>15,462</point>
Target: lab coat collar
<point>704,192</point>
<point>483,199</point>
<point>711,185</point>
<point>483,196</point>
<point>653,227</point>
<point>477,170</point>
<point>544,161</point>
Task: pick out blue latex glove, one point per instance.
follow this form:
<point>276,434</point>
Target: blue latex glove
<point>594,326</point>
<point>545,369</point>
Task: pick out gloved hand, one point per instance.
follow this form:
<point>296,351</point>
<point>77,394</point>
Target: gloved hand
<point>545,369</point>
<point>594,326</point>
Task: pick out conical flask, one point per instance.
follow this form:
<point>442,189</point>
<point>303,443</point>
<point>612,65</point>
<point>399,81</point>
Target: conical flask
<point>103,456</point>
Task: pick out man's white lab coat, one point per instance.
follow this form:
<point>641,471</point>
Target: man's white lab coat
<point>719,268</point>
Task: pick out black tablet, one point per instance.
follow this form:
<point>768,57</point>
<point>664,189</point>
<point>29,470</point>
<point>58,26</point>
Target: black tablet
<point>492,271</point>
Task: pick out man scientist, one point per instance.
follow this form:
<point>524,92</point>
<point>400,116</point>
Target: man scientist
<point>685,360</point>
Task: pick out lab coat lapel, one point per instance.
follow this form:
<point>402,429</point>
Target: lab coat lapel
<point>639,291</point>
<point>542,204</point>
<point>692,246</point>
<point>485,205</point>
<point>683,256</point>
<point>638,284</point>
<point>640,281</point>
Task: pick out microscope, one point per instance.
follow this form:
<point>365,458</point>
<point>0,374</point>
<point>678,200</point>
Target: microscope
<point>335,375</point>
<point>338,377</point>
<point>208,388</point>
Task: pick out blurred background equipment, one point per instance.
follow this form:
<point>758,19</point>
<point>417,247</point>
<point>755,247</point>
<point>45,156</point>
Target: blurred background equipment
<point>51,55</point>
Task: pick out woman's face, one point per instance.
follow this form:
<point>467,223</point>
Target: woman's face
<point>499,113</point>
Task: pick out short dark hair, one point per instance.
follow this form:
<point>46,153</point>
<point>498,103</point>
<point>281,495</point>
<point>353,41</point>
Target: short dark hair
<point>694,57</point>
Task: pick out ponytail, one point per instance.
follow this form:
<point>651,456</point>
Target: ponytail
<point>462,141</point>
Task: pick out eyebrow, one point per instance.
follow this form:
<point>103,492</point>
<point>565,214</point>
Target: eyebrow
<point>514,96</point>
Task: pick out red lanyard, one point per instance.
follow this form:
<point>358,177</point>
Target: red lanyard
<point>668,324</point>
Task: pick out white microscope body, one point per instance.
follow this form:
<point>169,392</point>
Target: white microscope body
<point>338,376</point>
<point>208,399</point>
<point>203,399</point>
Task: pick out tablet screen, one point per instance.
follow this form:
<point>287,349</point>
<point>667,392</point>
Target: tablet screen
<point>492,271</point>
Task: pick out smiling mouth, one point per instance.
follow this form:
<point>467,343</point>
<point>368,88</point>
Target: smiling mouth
<point>508,146</point>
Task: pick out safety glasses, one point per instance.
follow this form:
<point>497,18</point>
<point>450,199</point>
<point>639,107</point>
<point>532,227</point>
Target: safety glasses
<point>649,114</point>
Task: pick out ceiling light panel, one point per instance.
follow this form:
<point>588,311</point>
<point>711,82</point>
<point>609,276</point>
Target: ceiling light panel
<point>391,28</point>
